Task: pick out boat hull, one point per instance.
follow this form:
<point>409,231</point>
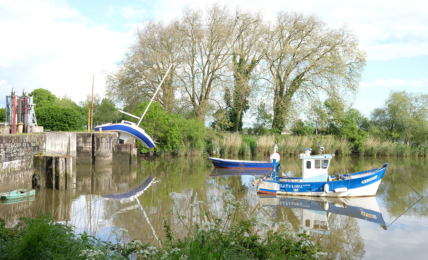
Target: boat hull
<point>240,164</point>
<point>357,187</point>
<point>135,131</point>
<point>17,194</point>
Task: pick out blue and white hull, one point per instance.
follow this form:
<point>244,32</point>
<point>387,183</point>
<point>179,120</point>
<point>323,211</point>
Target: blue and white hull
<point>127,129</point>
<point>240,164</point>
<point>359,184</point>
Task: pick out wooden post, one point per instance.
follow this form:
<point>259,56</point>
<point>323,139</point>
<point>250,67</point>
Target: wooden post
<point>89,119</point>
<point>92,112</point>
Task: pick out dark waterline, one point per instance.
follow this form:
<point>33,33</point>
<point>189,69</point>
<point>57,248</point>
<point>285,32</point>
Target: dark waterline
<point>343,235</point>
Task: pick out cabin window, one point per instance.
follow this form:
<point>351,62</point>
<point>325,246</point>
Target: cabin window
<point>316,224</point>
<point>317,164</point>
<point>308,223</point>
<point>308,164</point>
<point>325,164</point>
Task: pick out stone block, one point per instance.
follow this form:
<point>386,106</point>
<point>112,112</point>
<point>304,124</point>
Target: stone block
<point>122,153</point>
<point>84,148</point>
<point>103,147</point>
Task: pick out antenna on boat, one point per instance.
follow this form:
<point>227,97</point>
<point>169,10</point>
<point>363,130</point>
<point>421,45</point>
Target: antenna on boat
<point>147,108</point>
<point>321,148</point>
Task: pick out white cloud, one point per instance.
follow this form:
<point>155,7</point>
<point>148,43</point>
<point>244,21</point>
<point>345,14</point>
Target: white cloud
<point>49,45</point>
<point>130,13</point>
<point>386,29</point>
<point>3,82</point>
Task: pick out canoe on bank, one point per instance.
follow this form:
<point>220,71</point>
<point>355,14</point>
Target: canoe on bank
<point>17,194</point>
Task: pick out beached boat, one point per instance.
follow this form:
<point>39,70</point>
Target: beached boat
<point>17,194</point>
<point>316,211</point>
<point>316,181</point>
<point>247,165</point>
<point>127,129</point>
<point>240,164</point>
<point>219,172</point>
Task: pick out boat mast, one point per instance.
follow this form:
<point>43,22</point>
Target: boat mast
<point>147,108</point>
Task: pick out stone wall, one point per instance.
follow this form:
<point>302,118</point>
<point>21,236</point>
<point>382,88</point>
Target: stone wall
<point>16,159</point>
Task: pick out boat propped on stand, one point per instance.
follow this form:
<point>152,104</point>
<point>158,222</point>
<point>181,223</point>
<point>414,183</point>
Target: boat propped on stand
<point>316,181</point>
<point>127,129</point>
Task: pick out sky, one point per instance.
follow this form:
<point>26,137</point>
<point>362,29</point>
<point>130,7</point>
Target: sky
<point>59,45</point>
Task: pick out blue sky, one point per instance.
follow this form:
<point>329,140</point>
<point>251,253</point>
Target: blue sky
<point>58,45</point>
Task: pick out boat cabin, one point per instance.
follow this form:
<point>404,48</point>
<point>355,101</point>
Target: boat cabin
<point>315,167</point>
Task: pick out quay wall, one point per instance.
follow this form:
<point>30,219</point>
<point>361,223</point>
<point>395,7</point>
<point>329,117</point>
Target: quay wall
<point>17,153</point>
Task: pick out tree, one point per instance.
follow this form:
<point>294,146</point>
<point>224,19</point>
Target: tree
<point>404,117</point>
<point>105,110</point>
<point>206,44</point>
<point>247,52</point>
<point>263,120</point>
<point>43,98</point>
<point>2,114</point>
<point>143,68</point>
<point>59,118</point>
<point>304,56</point>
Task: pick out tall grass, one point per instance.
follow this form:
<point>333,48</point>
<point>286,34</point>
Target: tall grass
<point>375,147</point>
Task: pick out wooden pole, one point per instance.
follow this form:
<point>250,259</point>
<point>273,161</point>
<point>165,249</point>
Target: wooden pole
<point>92,109</point>
<point>89,118</point>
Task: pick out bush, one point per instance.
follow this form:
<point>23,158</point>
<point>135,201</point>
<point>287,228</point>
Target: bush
<point>59,118</point>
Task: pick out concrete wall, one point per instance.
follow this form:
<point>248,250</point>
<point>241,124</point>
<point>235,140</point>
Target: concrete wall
<point>84,148</point>
<point>61,144</point>
<point>16,159</point>
<point>103,147</point>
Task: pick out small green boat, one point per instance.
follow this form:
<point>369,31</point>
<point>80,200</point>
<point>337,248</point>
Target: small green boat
<point>17,194</point>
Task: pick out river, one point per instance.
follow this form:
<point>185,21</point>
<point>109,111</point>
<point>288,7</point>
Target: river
<point>392,225</point>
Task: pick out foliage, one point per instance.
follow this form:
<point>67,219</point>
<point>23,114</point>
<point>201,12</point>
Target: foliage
<point>172,132</point>
<point>59,118</point>
<point>2,114</point>
<point>263,120</point>
<point>43,98</point>
<point>403,118</point>
<point>41,238</point>
<point>105,110</point>
<point>303,128</point>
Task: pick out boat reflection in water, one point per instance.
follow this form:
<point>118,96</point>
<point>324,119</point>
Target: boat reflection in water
<point>315,212</point>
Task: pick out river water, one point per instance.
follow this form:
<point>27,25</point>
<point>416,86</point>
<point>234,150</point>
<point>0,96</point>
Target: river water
<point>392,225</point>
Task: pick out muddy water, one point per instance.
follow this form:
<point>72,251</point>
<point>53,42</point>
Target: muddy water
<point>389,226</point>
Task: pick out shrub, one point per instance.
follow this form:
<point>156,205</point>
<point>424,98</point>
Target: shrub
<point>59,118</point>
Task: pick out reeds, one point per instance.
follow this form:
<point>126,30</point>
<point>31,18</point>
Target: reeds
<point>375,147</point>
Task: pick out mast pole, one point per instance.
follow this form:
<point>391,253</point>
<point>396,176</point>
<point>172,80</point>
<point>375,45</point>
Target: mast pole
<point>147,108</point>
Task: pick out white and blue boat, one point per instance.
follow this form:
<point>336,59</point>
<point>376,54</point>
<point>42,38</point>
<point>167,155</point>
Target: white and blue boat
<point>240,164</point>
<point>316,181</point>
<point>127,129</point>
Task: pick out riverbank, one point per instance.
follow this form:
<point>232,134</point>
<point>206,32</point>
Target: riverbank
<point>226,144</point>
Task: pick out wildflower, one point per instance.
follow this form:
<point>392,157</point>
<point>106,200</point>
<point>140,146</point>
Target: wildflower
<point>208,225</point>
<point>196,203</point>
<point>230,207</point>
<point>120,232</point>
<point>262,220</point>
<point>319,255</point>
<point>228,197</point>
<point>91,253</point>
<point>232,243</point>
<point>307,243</point>
<point>174,250</point>
<point>175,195</point>
<point>183,257</point>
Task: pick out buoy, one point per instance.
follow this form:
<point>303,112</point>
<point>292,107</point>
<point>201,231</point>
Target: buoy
<point>326,188</point>
<point>325,206</point>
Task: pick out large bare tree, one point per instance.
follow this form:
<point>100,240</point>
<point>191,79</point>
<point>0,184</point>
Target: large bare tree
<point>140,73</point>
<point>207,38</point>
<point>307,57</point>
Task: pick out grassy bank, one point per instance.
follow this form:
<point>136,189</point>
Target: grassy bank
<point>223,233</point>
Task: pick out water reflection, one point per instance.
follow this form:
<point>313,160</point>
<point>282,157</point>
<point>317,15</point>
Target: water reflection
<point>341,226</point>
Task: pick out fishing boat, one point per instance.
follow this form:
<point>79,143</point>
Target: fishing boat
<point>245,164</point>
<point>316,211</point>
<point>316,181</point>
<point>17,194</point>
<point>127,129</point>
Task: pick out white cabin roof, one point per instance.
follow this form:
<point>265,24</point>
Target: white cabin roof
<point>319,156</point>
